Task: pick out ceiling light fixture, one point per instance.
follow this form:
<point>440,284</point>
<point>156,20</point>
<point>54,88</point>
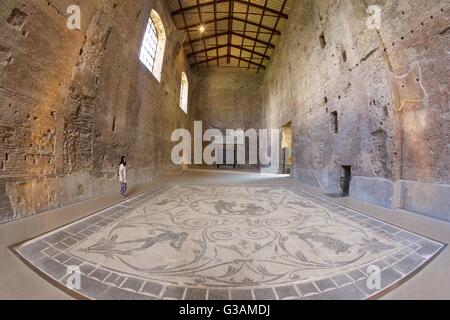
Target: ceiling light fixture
<point>202,29</point>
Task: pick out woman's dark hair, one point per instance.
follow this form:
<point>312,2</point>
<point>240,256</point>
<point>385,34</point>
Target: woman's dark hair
<point>122,161</point>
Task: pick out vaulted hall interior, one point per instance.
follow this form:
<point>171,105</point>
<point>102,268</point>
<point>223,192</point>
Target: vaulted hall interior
<point>273,149</point>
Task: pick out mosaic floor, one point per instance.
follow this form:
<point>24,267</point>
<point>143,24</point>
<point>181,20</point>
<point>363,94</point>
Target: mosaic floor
<point>199,242</point>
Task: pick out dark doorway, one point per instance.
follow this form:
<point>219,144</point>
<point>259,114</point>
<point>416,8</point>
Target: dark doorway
<point>286,148</point>
<point>345,180</point>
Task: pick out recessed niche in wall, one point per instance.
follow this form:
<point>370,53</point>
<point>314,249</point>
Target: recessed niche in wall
<point>344,56</point>
<point>335,122</point>
<point>323,42</point>
<point>345,180</point>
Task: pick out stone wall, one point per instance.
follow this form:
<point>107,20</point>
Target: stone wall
<point>73,102</point>
<point>389,90</point>
<point>227,99</point>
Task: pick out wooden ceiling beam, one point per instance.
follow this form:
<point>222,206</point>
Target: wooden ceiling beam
<point>264,56</point>
<point>276,24</point>
<point>254,39</point>
<point>215,20</point>
<point>226,56</point>
<point>205,23</point>
<point>212,3</point>
<point>259,29</point>
<point>248,61</point>
<point>185,23</point>
<point>244,32</point>
<point>197,7</point>
<point>203,35</point>
<point>258,25</point>
<point>206,38</point>
<point>209,60</point>
<point>207,49</point>
<point>254,5</point>
<point>230,28</point>
<point>226,45</point>
<point>215,31</point>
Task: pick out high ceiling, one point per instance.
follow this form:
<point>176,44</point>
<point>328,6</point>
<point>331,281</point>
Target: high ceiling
<point>238,33</point>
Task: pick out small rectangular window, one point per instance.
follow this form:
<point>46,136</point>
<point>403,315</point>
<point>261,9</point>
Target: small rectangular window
<point>184,93</point>
<point>149,46</point>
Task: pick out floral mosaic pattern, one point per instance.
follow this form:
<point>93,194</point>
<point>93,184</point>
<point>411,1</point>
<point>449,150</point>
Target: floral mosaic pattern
<point>233,238</point>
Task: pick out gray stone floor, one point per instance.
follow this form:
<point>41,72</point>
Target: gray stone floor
<point>225,241</point>
<point>19,281</point>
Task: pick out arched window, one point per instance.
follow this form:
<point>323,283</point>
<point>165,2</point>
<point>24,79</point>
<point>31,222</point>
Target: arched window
<point>184,93</point>
<point>153,45</point>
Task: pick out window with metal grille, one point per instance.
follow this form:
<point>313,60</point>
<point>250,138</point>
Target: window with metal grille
<point>149,46</point>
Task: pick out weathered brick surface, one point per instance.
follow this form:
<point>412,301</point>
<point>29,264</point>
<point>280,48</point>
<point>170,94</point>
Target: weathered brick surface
<point>227,99</point>
<point>389,88</point>
<point>62,92</point>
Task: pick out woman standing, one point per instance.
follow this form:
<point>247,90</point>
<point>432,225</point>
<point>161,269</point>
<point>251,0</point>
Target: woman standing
<point>123,177</point>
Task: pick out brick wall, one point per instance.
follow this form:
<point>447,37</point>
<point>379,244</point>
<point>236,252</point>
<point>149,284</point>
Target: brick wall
<point>228,99</point>
<point>330,61</point>
<point>73,102</point>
